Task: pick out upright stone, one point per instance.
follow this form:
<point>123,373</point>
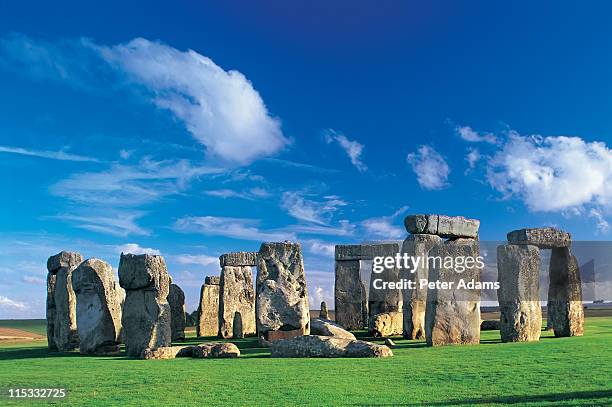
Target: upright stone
<point>176,300</point>
<point>146,312</point>
<point>383,300</point>
<point>324,313</point>
<point>236,302</point>
<point>415,300</point>
<point>208,310</point>
<point>519,293</point>
<point>282,298</point>
<point>98,307</point>
<point>61,302</point>
<point>565,294</point>
<point>350,295</point>
<point>452,316</point>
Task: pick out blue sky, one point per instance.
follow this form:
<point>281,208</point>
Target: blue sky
<point>192,130</point>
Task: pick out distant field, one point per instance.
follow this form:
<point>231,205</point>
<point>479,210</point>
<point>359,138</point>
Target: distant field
<point>37,326</point>
<point>554,371</point>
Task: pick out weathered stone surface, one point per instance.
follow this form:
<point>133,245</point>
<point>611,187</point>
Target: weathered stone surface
<point>442,225</point>
<point>565,307</point>
<point>236,302</point>
<point>61,311</point>
<point>238,259</point>
<point>350,295</point>
<point>490,325</point>
<point>382,300</point>
<point>389,342</point>
<point>216,350</point>
<point>167,352</point>
<point>98,307</point>
<point>518,269</point>
<point>212,280</point>
<point>544,238</point>
<point>324,313</point>
<point>415,300</point>
<point>208,310</point>
<point>452,316</point>
<point>313,346</point>
<point>146,315</point>
<point>386,324</point>
<point>176,300</point>
<point>345,252</point>
<point>325,327</point>
<point>282,297</point>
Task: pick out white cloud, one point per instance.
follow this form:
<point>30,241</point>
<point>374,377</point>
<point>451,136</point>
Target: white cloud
<point>602,224</point>
<point>352,148</point>
<point>430,168</point>
<point>220,109</point>
<point>6,302</point>
<point>553,173</point>
<point>53,155</point>
<point>321,248</point>
<point>34,280</point>
<point>116,223</point>
<point>236,228</point>
<point>248,194</point>
<point>343,228</point>
<point>198,259</point>
<point>385,227</point>
<point>125,154</point>
<point>319,212</point>
<point>469,134</point>
<point>472,157</point>
<point>135,248</point>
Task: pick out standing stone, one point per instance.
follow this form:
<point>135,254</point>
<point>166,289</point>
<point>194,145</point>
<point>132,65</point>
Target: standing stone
<point>324,313</point>
<point>236,302</point>
<point>176,300</point>
<point>518,270</point>
<point>452,316</point>
<point>208,310</point>
<point>383,300</point>
<point>565,294</point>
<point>146,312</point>
<point>282,297</point>
<point>98,307</point>
<point>350,293</point>
<point>415,300</point>
<point>61,302</point>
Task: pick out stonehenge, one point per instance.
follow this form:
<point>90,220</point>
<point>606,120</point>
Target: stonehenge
<point>565,294</point>
<point>176,300</point>
<point>99,300</point>
<point>386,324</point>
<point>323,312</point>
<point>208,308</point>
<point>325,327</point>
<point>237,296</point>
<point>314,346</point>
<point>146,312</point>
<point>62,332</point>
<point>282,298</point>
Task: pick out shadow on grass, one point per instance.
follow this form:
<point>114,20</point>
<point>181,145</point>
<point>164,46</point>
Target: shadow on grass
<point>578,395</point>
<point>34,353</point>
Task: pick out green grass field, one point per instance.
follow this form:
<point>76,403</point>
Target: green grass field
<point>36,326</point>
<point>554,371</point>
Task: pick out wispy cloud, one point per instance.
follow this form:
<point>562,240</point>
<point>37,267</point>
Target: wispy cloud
<point>309,210</point>
<point>7,303</point>
<point>34,280</point>
<point>352,148</point>
<point>52,155</point>
<point>385,226</point>
<point>320,248</point>
<point>236,228</point>
<point>197,259</point>
<point>430,168</point>
<point>117,223</point>
<point>471,135</point>
<point>248,194</point>
<point>135,248</point>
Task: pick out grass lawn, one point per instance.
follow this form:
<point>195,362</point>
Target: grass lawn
<point>554,371</point>
<point>38,326</point>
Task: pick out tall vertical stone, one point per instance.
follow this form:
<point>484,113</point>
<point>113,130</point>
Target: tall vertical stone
<point>208,309</point>
<point>98,307</point>
<point>324,312</point>
<point>146,312</point>
<point>383,300</point>
<point>350,294</point>
<point>452,316</point>
<point>282,297</point>
<point>61,301</point>
<point>415,300</point>
<point>237,296</point>
<point>176,300</point>
<point>565,294</point>
<point>518,270</point>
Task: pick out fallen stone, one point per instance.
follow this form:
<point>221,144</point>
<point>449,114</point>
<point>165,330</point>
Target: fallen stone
<point>452,316</point>
<point>146,315</point>
<point>62,311</point>
<point>168,352</point>
<point>238,259</point>
<point>98,307</point>
<point>544,238</point>
<point>176,300</point>
<point>324,313</point>
<point>389,343</point>
<point>442,225</point>
<point>236,302</point>
<point>216,350</point>
<point>490,325</point>
<point>324,327</point>
<point>208,310</point>
<point>313,346</point>
<point>351,300</point>
<point>518,269</point>
<point>282,297</point>
<point>565,308</point>
<point>387,324</point>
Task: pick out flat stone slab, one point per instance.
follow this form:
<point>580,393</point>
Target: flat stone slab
<point>345,252</point>
<point>63,259</point>
<point>325,327</point>
<point>544,238</point>
<point>238,259</point>
<point>313,346</point>
<point>442,225</point>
